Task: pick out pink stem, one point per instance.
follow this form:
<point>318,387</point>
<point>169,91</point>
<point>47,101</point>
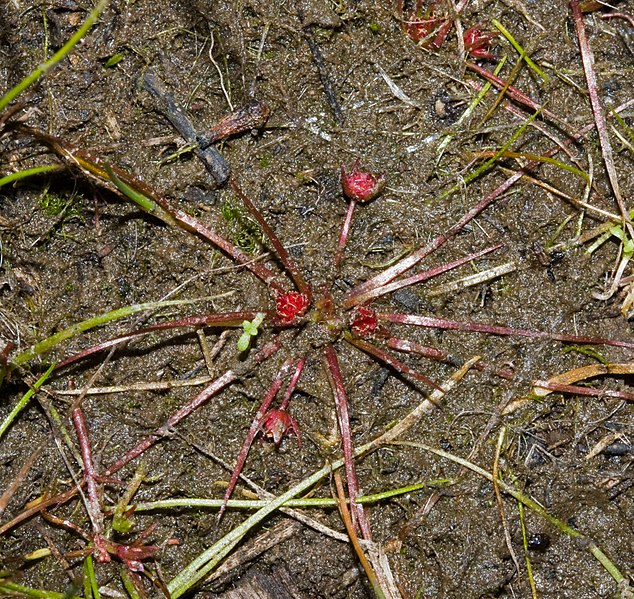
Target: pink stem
<point>93,505</point>
<point>331,364</point>
<point>516,94</point>
<point>256,424</point>
<point>428,274</point>
<point>360,293</point>
<point>434,353</point>
<point>283,255</point>
<point>587,58</point>
<point>220,383</point>
<point>293,383</point>
<point>618,15</point>
<point>345,231</point>
<point>383,356</point>
<point>225,319</point>
<point>441,323</point>
<point>577,390</point>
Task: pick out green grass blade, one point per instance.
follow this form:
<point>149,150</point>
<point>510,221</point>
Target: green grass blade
<point>29,172</point>
<point>315,502</point>
<point>29,80</point>
<point>11,588</point>
<point>91,588</point>
<point>43,346</point>
<point>507,34</point>
<point>141,200</point>
<point>24,400</point>
<point>489,163</point>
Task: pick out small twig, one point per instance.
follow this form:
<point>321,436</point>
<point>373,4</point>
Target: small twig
<point>495,473</point>
<point>15,483</point>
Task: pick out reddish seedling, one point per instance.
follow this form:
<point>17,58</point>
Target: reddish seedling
<point>359,187</point>
<point>477,42</point>
<point>299,320</point>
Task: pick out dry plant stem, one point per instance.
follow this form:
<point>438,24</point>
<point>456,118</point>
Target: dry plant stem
<point>587,58</point>
<point>345,516</point>
<point>93,504</point>
<point>283,255</point>
<point>256,424</point>
<point>441,323</point>
<point>541,386</point>
<point>150,386</point>
<point>331,366</point>
<point>585,372</point>
<point>15,484</point>
<point>345,231</point>
<point>434,353</point>
<point>495,473</point>
<point>385,358</point>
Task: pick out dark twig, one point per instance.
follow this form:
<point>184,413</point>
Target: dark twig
<point>211,158</point>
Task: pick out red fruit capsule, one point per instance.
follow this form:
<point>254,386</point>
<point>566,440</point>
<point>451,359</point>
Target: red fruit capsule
<point>359,185</point>
<point>278,423</point>
<point>364,321</point>
<point>291,305</point>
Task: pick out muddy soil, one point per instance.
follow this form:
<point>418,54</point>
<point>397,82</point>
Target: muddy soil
<point>342,81</point>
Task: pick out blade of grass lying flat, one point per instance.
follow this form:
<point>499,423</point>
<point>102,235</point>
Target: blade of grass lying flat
<point>573,533</point>
<point>30,172</point>
<point>56,58</point>
<point>44,346</point>
<point>11,588</point>
<point>507,34</point>
<point>306,502</point>
<point>25,399</point>
<point>585,372</point>
<point>539,158</point>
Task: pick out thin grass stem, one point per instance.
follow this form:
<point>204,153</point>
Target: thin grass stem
<point>30,79</point>
<point>6,423</point>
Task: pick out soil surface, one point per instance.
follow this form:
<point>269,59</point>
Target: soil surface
<point>343,81</point>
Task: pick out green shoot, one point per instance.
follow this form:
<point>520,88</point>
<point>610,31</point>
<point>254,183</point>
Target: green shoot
<point>29,172</point>
<point>251,329</point>
<point>29,80</point>
<point>91,588</point>
<point>25,399</point>
<point>507,34</point>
